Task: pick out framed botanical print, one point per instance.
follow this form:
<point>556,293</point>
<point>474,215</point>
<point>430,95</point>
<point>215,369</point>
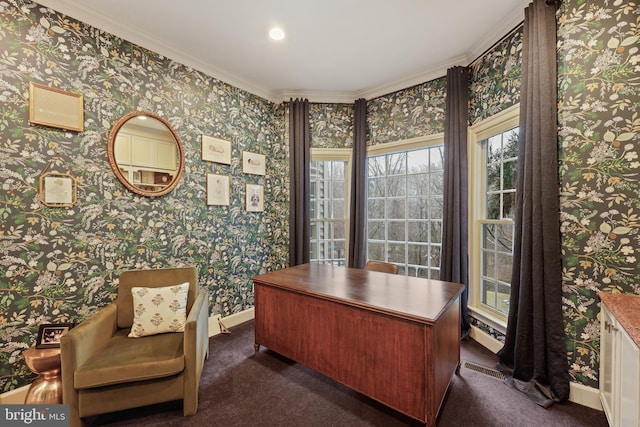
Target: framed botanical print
<point>55,107</point>
<point>216,150</point>
<point>254,195</point>
<point>253,163</point>
<point>217,189</point>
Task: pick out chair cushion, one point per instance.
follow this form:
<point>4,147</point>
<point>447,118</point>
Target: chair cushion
<point>126,360</point>
<point>159,310</point>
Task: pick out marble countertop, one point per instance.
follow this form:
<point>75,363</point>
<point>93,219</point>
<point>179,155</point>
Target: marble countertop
<point>626,309</point>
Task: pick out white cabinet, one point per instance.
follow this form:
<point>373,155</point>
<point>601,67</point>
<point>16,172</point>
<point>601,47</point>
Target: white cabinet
<point>619,373</point>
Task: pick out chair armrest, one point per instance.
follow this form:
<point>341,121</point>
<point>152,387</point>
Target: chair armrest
<point>196,348</point>
<point>91,335</point>
<point>78,345</point>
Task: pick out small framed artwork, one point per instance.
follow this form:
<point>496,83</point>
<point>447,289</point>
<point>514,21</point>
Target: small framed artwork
<point>49,334</point>
<point>216,150</point>
<point>253,163</point>
<point>254,198</point>
<point>55,107</point>
<point>217,189</point>
<point>58,190</point>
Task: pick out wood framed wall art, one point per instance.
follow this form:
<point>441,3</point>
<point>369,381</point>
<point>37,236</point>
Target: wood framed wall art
<point>58,190</point>
<point>55,107</point>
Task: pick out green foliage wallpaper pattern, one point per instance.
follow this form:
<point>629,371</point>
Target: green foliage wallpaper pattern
<point>60,265</point>
<point>599,103</point>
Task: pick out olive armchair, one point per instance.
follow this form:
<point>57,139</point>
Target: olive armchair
<point>104,369</point>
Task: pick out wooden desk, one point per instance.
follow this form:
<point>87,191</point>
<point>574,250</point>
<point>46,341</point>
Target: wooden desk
<point>393,338</point>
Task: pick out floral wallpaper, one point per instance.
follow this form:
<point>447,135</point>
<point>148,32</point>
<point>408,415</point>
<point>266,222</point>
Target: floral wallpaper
<point>494,83</point>
<point>60,265</point>
<point>409,113</point>
<point>599,103</point>
<point>331,125</point>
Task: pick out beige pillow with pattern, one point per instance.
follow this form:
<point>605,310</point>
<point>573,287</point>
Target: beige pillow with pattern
<point>159,310</point>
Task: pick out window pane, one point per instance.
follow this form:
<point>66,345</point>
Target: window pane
<point>489,236</point>
<point>417,185</point>
<point>338,209</point>
<point>376,187</point>
<point>509,206</point>
<point>418,254</point>
<point>397,164</point>
<point>417,161</point>
<point>488,264</point>
<point>395,208</point>
<point>413,190</point>
<point>395,186</point>
<point>375,209</point>
<point>493,206</point>
<point>489,293</point>
<point>328,215</point>
<point>418,208</point>
<point>435,274</point>
<point>397,253</point>
<point>504,237</point>
<point>503,297</point>
<point>436,231</point>
<point>434,259</point>
<point>503,267</point>
<point>494,149</point>
<point>510,175</point>
<point>418,231</point>
<point>435,207</point>
<point>375,230</point>
<point>376,251</point>
<point>376,166</point>
<point>396,231</point>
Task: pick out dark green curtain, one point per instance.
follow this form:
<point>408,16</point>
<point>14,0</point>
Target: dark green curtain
<point>300,182</point>
<point>357,229</point>
<point>534,352</point>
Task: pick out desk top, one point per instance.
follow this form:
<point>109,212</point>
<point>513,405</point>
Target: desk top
<point>414,298</point>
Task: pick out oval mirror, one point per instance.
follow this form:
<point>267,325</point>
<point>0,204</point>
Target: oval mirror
<point>145,153</point>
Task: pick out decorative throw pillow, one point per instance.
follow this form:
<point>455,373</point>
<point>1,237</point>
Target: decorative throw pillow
<point>159,310</point>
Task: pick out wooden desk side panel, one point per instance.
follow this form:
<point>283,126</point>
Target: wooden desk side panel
<point>377,355</point>
<point>444,357</point>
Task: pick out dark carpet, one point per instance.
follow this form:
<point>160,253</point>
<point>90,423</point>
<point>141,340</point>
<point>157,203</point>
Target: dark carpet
<point>241,388</point>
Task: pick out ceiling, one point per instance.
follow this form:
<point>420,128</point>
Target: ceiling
<point>334,50</point>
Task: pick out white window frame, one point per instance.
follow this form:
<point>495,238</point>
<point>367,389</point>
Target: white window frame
<point>339,155</point>
<point>405,145</point>
<point>496,124</point>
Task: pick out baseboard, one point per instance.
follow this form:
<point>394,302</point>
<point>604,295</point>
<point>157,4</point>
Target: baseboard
<point>585,396</point>
<point>486,340</point>
<point>229,321</point>
<point>578,393</point>
<point>15,396</point>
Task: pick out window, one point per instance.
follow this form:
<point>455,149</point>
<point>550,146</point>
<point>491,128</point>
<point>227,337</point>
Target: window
<point>329,206</point>
<point>493,197</point>
<point>404,208</point>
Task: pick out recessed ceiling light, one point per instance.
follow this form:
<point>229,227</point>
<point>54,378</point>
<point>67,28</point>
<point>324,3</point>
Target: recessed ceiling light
<point>276,33</point>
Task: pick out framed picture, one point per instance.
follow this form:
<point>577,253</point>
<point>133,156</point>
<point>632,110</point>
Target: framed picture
<point>253,163</point>
<point>217,189</point>
<point>54,107</point>
<point>216,150</point>
<point>49,334</point>
<point>57,190</point>
<point>254,198</point>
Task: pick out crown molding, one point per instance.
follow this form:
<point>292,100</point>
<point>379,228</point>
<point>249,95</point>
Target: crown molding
<point>498,32</point>
<point>77,10</point>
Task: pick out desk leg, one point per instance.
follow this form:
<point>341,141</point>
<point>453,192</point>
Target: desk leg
<point>458,369</point>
